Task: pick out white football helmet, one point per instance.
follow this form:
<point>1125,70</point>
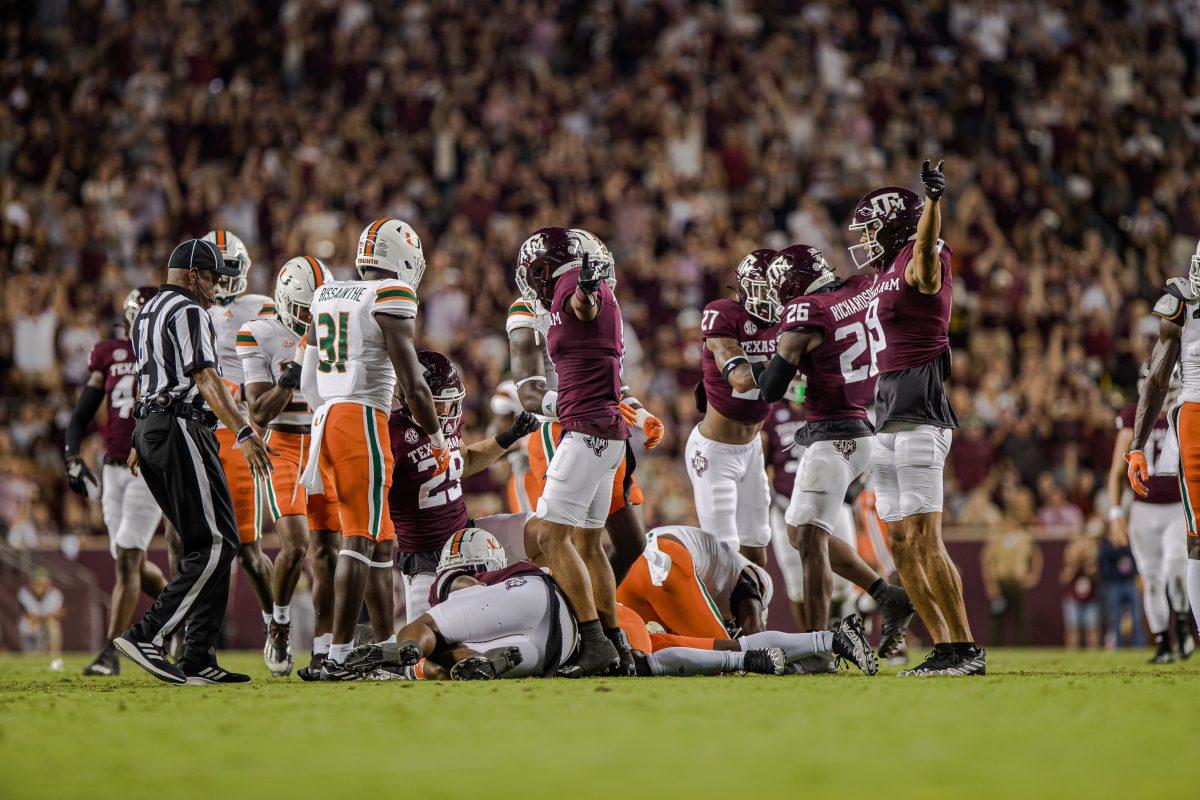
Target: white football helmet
<point>472,549</point>
<point>765,586</point>
<point>1194,272</point>
<point>392,246</point>
<point>598,253</point>
<point>298,281</point>
<point>234,252</point>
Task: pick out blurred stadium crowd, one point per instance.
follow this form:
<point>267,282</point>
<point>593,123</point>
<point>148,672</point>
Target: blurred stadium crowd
<point>684,134</point>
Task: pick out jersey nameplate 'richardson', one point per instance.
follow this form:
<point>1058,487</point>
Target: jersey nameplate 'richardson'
<point>727,319</point>
<point>425,508</point>
<point>114,358</point>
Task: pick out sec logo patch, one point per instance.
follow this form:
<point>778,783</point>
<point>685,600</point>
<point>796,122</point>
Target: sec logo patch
<point>411,436</point>
<point>750,328</point>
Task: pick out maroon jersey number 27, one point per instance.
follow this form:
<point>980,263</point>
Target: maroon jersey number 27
<point>726,319</point>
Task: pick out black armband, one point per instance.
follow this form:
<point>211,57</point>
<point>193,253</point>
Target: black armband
<point>733,364</point>
<point>85,411</point>
<point>745,589</point>
<point>774,380</point>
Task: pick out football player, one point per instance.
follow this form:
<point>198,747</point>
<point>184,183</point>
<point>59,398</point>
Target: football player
<point>585,342</point>
<point>907,321</point>
<point>535,383</point>
<point>1155,530</point>
<point>724,454</point>
<point>427,508</point>
<point>267,347</point>
<point>359,349</point>
<point>825,332</point>
<point>1178,338</point>
<point>232,309</point>
<point>130,512</point>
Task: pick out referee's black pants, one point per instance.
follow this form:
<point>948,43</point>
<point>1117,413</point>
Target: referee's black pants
<point>178,459</point>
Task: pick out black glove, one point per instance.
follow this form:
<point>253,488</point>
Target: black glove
<point>525,424</point>
<point>289,375</point>
<point>934,180</point>
<point>79,476</point>
<point>589,276</point>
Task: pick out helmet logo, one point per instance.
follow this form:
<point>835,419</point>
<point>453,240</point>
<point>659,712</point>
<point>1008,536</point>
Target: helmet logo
<point>412,240</point>
<point>886,204</point>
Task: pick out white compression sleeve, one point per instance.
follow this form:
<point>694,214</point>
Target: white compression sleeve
<point>308,379</point>
<point>685,662</point>
<point>1193,587</point>
<point>794,645</point>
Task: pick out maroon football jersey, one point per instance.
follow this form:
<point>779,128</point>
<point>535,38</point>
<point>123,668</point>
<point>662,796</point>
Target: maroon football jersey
<point>726,319</point>
<point>517,571</point>
<point>841,371</point>
<point>426,509</point>
<point>1161,454</point>
<point>915,324</point>
<point>587,359</point>
<point>114,358</point>
<point>781,425</point>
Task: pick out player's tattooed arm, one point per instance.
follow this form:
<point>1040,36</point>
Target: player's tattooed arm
<point>398,333</point>
<point>528,368</point>
<point>1154,389</point>
<point>724,349</point>
<point>924,270</point>
<point>790,349</point>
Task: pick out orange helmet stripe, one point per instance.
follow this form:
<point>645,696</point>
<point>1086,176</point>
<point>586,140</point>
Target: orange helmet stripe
<point>369,247</point>
<point>221,239</point>
<point>458,539</point>
<point>318,276</point>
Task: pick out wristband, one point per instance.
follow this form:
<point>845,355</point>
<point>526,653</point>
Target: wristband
<point>641,416</point>
<point>244,433</point>
<point>733,364</point>
<point>550,404</point>
<point>1115,513</point>
<point>439,441</point>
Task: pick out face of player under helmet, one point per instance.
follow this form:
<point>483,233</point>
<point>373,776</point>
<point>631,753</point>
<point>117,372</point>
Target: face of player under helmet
<point>393,246</point>
<point>474,550</point>
<point>598,253</point>
<point>754,292</point>
<point>135,300</point>
<point>295,286</point>
<point>797,270</point>
<point>885,219</point>
<point>234,254</point>
<point>545,255</point>
<point>446,386</point>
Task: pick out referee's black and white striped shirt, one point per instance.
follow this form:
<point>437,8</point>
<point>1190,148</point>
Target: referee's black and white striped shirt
<point>173,338</point>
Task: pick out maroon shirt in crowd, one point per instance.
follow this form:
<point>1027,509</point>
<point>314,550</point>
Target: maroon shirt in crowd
<point>726,319</point>
<point>114,358</point>
<point>426,510</point>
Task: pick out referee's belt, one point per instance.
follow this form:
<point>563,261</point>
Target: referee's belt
<point>176,408</point>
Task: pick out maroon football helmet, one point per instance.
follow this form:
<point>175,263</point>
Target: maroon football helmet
<point>135,300</point>
<point>888,217</point>
<point>796,270</point>
<point>447,387</point>
<point>545,255</point>
<point>754,292</point>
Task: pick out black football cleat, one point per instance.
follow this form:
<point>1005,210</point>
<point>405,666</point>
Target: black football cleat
<point>897,611</point>
<point>626,667</point>
<point>211,675</point>
<point>107,663</point>
<point>335,672</point>
<point>816,664</point>
<point>1163,654</point>
<point>492,664</point>
<point>367,657</point>
<point>1185,642</point>
<point>149,657</point>
<point>598,658</point>
<point>768,661</point>
<point>972,661</point>
<point>941,656</point>
<point>850,643</point>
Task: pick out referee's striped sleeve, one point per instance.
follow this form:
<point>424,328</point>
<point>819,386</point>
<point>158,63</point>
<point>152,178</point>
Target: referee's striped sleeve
<point>193,332</point>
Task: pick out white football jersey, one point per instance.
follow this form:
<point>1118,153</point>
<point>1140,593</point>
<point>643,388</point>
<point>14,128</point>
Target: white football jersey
<point>265,345</point>
<point>718,565</point>
<point>227,320</point>
<point>524,314</point>
<point>353,363</point>
<point>1174,306</point>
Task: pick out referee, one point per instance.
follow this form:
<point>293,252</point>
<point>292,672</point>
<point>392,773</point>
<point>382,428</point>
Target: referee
<point>179,381</point>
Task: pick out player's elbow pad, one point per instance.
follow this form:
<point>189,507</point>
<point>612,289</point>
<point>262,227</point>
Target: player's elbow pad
<point>85,411</point>
<point>774,380</point>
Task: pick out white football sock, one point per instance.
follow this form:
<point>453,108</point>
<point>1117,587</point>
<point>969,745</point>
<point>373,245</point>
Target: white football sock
<point>1193,587</point>
<point>266,618</point>
<point>338,652</point>
<point>282,614</point>
<point>321,644</point>
<point>389,640</point>
<point>684,662</point>
<point>795,646</point>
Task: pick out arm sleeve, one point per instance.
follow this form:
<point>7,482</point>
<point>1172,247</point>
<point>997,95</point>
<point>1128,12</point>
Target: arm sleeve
<point>193,333</point>
<point>309,386</point>
<point>85,411</point>
<point>395,298</point>
<point>774,380</point>
<point>255,364</point>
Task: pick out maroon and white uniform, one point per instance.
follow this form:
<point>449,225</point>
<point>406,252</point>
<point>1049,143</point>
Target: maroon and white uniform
<point>913,417</point>
<point>426,509</point>
<point>729,481</point>
<point>1157,525</point>
<point>841,374</point>
<point>516,606</point>
<point>130,512</point>
<point>587,359</point>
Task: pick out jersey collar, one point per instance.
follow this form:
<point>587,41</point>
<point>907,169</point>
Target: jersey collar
<point>174,287</point>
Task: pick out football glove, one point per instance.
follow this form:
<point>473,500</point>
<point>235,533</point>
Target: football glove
<point>442,456</point>
<point>649,424</point>
<point>1138,471</point>
<point>289,375</point>
<point>81,479</point>
<point>933,180</point>
<point>589,276</point>
<point>524,424</point>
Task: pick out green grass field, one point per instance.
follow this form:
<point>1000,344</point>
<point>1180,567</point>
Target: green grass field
<point>1043,724</point>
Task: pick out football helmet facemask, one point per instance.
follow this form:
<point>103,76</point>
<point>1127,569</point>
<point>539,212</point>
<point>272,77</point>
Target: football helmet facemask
<point>474,550</point>
<point>446,386</point>
<point>753,289</point>
<point>885,220</point>
<point>545,255</point>
<point>135,300</point>
<point>234,254</point>
<point>295,286</point>
<point>393,246</point>
<point>1194,272</point>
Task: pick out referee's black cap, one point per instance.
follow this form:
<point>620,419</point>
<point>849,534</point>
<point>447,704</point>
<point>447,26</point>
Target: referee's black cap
<point>201,254</point>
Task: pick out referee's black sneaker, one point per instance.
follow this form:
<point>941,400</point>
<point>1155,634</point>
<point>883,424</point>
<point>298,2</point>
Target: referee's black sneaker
<point>149,657</point>
<point>211,674</point>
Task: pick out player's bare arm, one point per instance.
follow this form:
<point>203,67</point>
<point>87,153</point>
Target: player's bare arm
<point>792,347</point>
<point>213,390</point>
<point>924,270</point>
<point>528,368</point>
<point>478,456</point>
<point>267,400</point>
<point>398,334</point>
<point>738,374</point>
<point>585,302</point>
